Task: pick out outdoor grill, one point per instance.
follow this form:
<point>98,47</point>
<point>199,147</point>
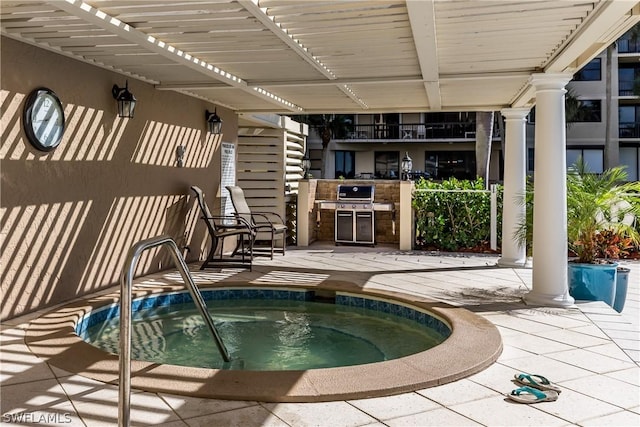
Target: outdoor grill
<point>355,213</point>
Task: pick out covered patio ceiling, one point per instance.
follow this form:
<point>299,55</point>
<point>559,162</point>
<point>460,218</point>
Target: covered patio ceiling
<point>305,57</point>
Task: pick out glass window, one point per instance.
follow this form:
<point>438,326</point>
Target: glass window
<point>629,123</point>
<point>531,117</point>
<point>345,164</point>
<point>629,42</point>
<point>593,157</point>
<point>589,72</point>
<point>450,117</point>
<point>530,159</point>
<point>626,79</point>
<point>628,113</point>
<point>447,164</point>
<point>628,75</point>
<point>589,110</point>
<point>387,164</point>
<point>630,157</point>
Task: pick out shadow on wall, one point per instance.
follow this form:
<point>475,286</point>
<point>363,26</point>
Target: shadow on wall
<point>69,216</point>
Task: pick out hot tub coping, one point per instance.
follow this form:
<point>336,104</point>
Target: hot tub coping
<point>474,344</point>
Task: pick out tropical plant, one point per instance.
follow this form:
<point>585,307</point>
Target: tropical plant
<point>596,204</point>
<point>610,245</point>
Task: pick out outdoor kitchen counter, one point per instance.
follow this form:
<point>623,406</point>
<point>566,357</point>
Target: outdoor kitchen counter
<point>383,200</point>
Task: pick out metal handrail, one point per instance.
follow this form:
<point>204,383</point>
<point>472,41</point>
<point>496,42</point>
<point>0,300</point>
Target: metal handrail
<point>124,396</point>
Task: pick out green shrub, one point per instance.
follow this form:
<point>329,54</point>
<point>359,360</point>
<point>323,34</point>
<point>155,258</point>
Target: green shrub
<point>453,221</point>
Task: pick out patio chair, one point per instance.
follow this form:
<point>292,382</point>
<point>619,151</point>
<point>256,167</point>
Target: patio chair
<point>268,226</point>
<point>220,227</point>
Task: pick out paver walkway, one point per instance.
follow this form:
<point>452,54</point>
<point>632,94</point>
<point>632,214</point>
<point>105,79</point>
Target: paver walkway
<point>590,350</point>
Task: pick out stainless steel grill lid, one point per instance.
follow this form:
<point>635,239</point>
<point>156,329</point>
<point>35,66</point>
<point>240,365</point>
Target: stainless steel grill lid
<point>356,192</point>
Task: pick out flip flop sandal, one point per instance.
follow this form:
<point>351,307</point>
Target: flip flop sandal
<point>532,395</point>
<point>536,381</point>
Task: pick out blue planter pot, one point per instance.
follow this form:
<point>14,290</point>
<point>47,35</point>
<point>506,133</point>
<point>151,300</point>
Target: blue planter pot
<point>622,283</point>
<point>593,282</point>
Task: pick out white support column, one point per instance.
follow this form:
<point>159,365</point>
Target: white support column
<point>513,210</point>
<point>550,258</point>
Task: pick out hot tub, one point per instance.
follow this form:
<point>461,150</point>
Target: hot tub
<point>473,344</point>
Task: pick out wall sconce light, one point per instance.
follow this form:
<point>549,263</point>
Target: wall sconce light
<point>125,99</point>
<point>306,166</point>
<point>214,122</point>
<point>407,165</point>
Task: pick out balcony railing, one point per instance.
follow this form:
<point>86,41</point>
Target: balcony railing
<point>629,130</point>
<point>411,131</point>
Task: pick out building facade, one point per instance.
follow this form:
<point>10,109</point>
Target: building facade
<point>587,133</point>
<point>442,144</point>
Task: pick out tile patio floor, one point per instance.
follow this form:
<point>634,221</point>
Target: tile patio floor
<point>590,350</point>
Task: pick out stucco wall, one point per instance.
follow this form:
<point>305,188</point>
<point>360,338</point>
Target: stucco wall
<point>69,216</point>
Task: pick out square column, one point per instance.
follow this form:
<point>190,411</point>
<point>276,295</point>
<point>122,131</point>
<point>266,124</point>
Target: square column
<point>550,248</point>
<point>406,216</point>
<point>303,210</point>
<point>514,210</point>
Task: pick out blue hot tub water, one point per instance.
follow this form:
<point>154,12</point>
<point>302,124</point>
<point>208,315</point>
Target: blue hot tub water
<point>268,329</point>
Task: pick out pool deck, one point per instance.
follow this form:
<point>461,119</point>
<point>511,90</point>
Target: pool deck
<point>591,351</point>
